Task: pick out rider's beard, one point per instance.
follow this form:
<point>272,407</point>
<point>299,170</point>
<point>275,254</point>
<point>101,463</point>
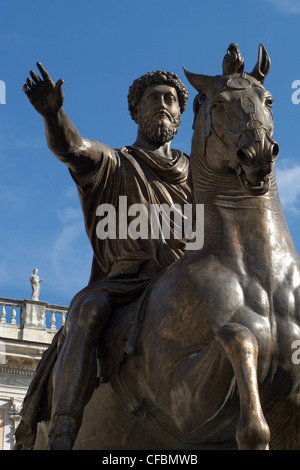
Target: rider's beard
<point>160,130</point>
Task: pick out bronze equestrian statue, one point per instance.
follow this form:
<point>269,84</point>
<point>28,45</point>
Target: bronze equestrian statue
<point>210,349</point>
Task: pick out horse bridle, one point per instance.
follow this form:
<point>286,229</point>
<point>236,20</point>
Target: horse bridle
<point>253,124</point>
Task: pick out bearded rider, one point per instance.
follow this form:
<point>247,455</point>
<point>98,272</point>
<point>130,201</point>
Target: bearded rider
<point>147,172</point>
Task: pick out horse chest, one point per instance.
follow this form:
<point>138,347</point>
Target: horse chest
<point>268,305</point>
<point>273,315</point>
<point>281,302</point>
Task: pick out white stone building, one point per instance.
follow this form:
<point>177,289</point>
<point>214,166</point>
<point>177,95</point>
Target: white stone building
<point>26,329</point>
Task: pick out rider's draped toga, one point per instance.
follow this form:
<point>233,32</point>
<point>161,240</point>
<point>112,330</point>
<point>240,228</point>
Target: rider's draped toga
<point>142,177</point>
<point>122,267</point>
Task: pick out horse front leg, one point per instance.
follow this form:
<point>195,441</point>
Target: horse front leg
<point>241,348</point>
<point>203,383</point>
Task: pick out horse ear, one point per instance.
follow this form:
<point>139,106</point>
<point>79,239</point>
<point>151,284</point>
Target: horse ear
<point>202,83</point>
<point>198,101</point>
<point>262,66</point>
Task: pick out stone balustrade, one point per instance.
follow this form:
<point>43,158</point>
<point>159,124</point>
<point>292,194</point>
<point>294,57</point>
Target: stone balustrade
<point>27,327</point>
<point>31,320</point>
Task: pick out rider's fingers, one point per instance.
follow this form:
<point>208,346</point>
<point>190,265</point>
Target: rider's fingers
<point>35,77</point>
<point>44,72</point>
<point>59,83</point>
<point>30,83</point>
<point>26,89</point>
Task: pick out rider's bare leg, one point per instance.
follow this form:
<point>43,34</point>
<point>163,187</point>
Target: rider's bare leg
<point>75,371</point>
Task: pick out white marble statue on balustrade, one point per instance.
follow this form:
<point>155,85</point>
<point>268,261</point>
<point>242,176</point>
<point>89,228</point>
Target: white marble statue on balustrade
<point>35,284</point>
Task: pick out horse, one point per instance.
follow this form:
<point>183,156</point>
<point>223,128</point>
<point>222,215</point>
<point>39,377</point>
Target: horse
<point>212,366</point>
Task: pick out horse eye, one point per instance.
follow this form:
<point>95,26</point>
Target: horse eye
<point>217,106</point>
<point>269,102</point>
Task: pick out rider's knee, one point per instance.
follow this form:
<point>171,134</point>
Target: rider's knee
<point>89,312</point>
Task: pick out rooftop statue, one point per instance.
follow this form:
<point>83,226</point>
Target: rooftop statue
<point>35,284</point>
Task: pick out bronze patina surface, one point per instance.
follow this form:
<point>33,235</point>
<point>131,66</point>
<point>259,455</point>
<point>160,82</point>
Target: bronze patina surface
<point>212,364</point>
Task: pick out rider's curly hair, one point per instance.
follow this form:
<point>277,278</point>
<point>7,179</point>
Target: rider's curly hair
<point>160,77</point>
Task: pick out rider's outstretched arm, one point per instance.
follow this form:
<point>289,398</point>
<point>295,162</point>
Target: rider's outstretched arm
<point>79,154</point>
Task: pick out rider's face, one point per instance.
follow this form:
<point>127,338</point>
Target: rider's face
<point>158,113</point>
<point>158,103</point>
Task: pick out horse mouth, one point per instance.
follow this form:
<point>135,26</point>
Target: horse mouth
<point>255,189</point>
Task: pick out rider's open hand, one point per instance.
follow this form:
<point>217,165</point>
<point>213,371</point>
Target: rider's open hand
<point>45,96</point>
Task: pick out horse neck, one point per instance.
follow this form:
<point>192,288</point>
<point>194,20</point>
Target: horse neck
<point>247,230</point>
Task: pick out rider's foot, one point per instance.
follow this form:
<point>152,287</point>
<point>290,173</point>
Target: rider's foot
<point>62,433</point>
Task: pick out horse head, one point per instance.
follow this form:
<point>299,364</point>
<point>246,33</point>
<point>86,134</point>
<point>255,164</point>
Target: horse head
<point>233,125</point>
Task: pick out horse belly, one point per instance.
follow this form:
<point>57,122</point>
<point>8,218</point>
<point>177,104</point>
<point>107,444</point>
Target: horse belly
<point>108,425</point>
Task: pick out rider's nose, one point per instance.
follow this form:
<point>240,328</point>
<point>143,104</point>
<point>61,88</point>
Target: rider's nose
<point>161,101</point>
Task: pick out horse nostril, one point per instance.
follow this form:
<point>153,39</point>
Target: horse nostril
<point>245,156</point>
<point>275,152</point>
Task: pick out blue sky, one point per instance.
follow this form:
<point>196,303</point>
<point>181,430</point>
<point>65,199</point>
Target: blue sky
<point>99,48</point>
